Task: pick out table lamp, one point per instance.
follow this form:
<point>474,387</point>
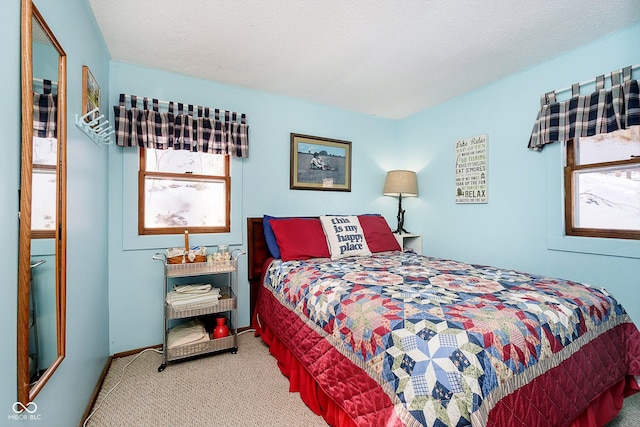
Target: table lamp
<point>401,183</point>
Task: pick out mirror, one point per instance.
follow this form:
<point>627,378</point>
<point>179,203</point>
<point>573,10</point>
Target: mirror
<point>42,236</point>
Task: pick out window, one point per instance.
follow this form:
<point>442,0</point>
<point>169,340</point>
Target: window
<point>43,188</point>
<point>180,190</point>
<point>602,185</point>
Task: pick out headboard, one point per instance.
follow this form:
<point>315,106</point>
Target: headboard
<point>258,254</point>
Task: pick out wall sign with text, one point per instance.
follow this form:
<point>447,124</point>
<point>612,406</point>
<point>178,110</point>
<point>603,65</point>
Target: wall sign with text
<point>472,161</point>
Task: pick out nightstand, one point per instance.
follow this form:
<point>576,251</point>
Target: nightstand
<point>410,241</point>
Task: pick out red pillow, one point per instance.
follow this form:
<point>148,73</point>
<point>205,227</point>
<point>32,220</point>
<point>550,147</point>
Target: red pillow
<point>300,238</point>
<point>377,233</point>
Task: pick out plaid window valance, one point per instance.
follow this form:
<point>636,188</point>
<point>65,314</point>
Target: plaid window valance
<point>603,111</point>
<point>45,111</point>
<point>182,127</point>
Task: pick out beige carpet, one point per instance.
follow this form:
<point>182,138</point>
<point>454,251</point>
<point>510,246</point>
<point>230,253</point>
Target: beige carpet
<point>244,389</point>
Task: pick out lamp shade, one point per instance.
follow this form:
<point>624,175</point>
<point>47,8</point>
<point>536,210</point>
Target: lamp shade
<point>401,182</point>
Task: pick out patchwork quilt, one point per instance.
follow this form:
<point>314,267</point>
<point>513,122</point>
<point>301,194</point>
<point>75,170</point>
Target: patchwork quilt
<point>447,343</point>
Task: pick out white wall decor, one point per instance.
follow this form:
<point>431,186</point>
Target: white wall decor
<point>472,161</point>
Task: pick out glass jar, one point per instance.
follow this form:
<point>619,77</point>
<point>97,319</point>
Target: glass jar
<point>223,251</point>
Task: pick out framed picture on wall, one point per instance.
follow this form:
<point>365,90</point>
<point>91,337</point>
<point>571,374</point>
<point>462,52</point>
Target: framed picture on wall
<point>320,163</point>
<point>471,169</point>
<point>90,94</point>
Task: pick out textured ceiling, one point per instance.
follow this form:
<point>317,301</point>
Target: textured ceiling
<point>391,58</point>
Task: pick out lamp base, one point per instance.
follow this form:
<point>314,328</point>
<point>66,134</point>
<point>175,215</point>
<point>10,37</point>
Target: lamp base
<point>400,231</point>
<point>400,228</point>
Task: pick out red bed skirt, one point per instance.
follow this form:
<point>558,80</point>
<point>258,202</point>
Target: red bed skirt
<point>607,406</point>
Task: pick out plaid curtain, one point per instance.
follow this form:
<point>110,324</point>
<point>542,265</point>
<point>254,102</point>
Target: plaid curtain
<point>603,111</point>
<point>45,111</point>
<point>198,129</point>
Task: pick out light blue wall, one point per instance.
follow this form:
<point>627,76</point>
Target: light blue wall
<point>521,226</point>
<point>260,184</point>
<point>64,398</point>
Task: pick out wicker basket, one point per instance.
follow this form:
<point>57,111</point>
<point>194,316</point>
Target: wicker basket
<point>190,350</point>
<point>225,303</point>
<point>184,258</point>
<point>186,255</point>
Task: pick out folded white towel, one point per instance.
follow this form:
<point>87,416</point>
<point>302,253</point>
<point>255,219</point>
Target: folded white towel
<point>194,288</point>
<point>174,298</point>
<point>190,332</point>
<point>193,300</point>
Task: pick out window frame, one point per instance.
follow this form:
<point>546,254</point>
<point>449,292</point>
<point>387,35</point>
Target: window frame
<point>143,174</point>
<point>569,196</point>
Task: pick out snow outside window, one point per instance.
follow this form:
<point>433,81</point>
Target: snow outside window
<point>182,190</point>
<point>602,185</point>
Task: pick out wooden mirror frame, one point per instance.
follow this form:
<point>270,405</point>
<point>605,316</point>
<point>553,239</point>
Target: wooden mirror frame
<point>26,392</point>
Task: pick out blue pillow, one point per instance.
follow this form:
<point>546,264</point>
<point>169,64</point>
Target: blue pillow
<point>270,237</point>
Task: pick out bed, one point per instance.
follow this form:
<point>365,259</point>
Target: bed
<point>392,338</point>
